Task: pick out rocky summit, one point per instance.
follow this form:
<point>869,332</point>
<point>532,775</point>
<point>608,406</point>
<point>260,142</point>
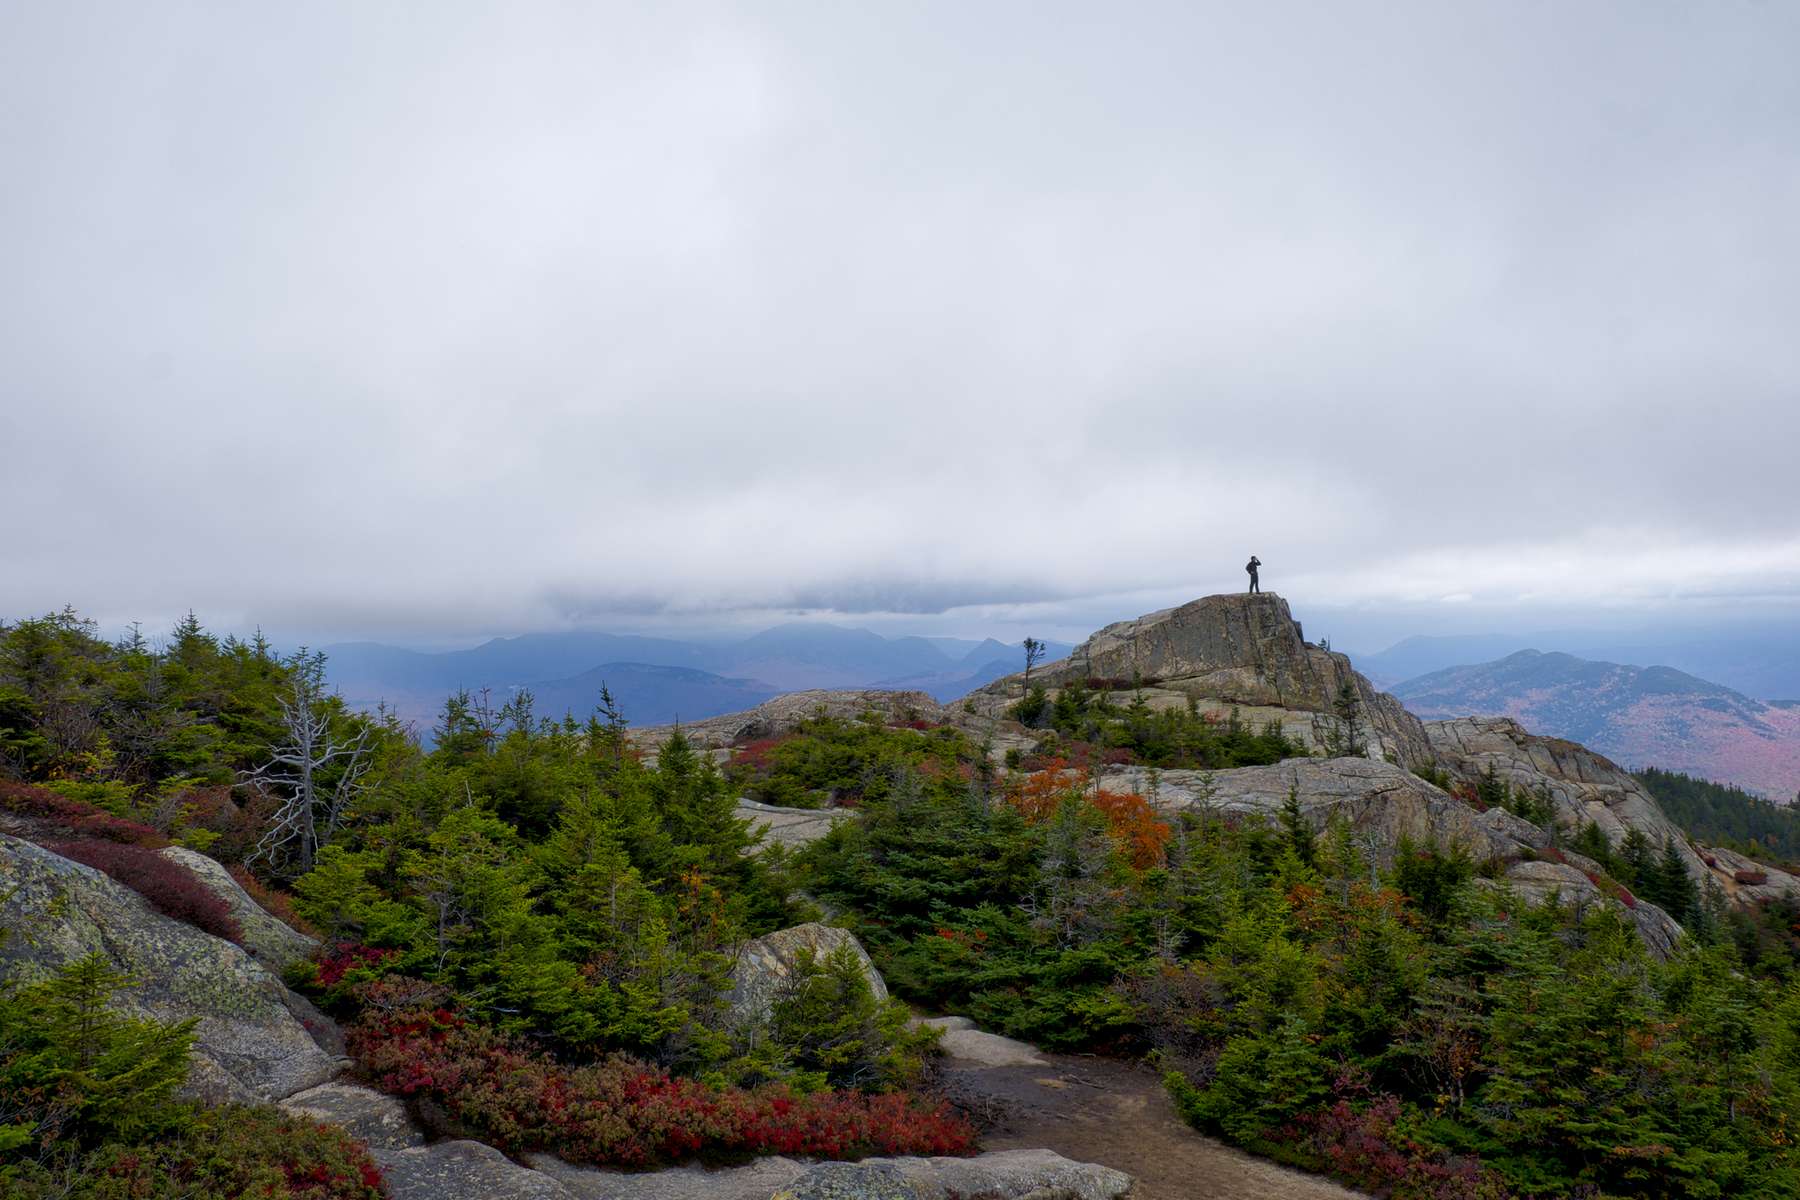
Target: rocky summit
<point>1224,653</point>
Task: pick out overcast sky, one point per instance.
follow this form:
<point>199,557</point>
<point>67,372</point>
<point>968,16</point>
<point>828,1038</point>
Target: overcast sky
<point>427,322</point>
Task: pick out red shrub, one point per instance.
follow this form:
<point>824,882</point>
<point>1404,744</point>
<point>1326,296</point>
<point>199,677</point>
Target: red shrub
<point>171,888</point>
<point>625,1113</point>
<point>1750,877</point>
<point>341,958</point>
<point>80,819</point>
<point>277,904</point>
<point>1359,1143</point>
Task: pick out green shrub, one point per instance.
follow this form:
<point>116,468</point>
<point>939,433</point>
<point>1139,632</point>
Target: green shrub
<point>827,1025</point>
<point>75,1073</point>
<point>245,1153</point>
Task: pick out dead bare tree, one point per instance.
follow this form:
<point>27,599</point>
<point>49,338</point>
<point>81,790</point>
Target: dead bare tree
<point>313,777</point>
<point>1034,654</point>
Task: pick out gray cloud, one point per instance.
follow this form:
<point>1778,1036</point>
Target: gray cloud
<point>472,318</point>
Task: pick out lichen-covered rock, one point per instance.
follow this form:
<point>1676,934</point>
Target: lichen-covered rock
<point>1582,786</point>
<point>849,1181</point>
<point>1009,1175</point>
<point>374,1117</point>
<point>1223,652</point>
<point>462,1171</point>
<point>268,940</point>
<point>1563,883</point>
<point>763,966</point>
<point>756,1180</point>
<point>999,1175</point>
<point>249,1044</point>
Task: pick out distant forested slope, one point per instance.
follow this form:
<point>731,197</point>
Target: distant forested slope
<point>1721,815</point>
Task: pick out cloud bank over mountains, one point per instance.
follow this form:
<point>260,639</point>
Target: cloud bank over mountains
<point>334,318</point>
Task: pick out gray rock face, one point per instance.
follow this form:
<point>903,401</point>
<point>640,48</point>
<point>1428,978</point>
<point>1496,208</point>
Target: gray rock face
<point>250,1044</point>
<point>268,940</point>
<point>1384,805</point>
<point>960,1039</point>
<point>1582,785</point>
<point>1541,882</point>
<point>375,1117</point>
<point>1736,876</point>
<point>791,826</point>
<point>1230,651</point>
<point>1375,798</point>
<point>462,1171</point>
<point>764,966</point>
<point>999,1175</point>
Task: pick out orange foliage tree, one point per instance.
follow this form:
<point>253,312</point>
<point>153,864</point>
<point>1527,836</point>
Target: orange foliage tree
<point>1136,831</point>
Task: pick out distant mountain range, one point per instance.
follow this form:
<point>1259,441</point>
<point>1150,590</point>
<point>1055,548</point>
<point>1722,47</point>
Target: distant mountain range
<point>1758,659</point>
<point>1638,716</point>
<point>658,680</point>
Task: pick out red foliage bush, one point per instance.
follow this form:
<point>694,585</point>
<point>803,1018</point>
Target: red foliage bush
<point>1750,877</point>
<point>171,888</point>
<point>80,819</point>
<point>277,904</point>
<point>341,958</point>
<point>757,755</point>
<point>1360,1143</point>
<point>622,1112</point>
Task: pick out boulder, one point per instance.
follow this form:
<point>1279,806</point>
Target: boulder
<point>251,1042</point>
<point>269,941</point>
<point>374,1117</point>
<point>1243,652</point>
<point>763,967</point>
<point>1582,786</point>
<point>462,1171</point>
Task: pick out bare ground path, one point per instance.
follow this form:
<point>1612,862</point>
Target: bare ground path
<point>1117,1114</point>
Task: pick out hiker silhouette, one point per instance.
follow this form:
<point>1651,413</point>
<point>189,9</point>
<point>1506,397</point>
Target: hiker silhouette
<point>1255,562</point>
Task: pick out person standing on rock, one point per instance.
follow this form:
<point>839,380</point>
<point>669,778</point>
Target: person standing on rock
<point>1251,566</point>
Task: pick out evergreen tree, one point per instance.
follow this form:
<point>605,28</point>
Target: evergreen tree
<point>1297,829</point>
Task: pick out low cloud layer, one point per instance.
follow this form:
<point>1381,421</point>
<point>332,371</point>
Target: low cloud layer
<point>479,319</point>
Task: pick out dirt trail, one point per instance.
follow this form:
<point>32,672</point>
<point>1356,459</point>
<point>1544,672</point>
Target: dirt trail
<point>1103,1111</point>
